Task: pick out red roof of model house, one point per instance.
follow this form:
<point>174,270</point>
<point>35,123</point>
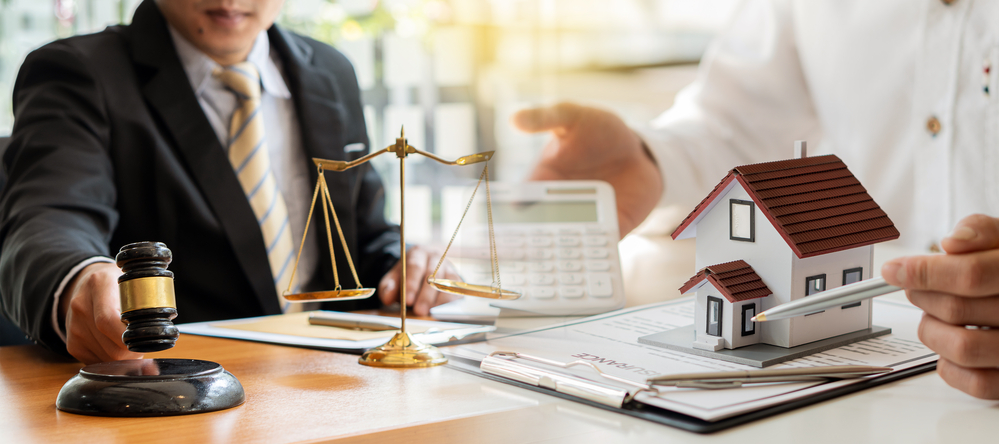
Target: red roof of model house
<point>735,280</point>
<point>816,204</point>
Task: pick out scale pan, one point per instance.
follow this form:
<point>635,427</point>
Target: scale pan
<point>465,289</point>
<point>331,295</point>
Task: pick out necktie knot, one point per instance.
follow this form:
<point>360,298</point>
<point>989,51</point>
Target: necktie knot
<point>243,79</point>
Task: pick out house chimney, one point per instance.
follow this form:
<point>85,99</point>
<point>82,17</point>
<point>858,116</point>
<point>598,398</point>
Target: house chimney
<point>800,149</point>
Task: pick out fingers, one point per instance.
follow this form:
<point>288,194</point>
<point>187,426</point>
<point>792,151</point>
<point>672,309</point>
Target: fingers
<point>978,382</point>
<point>553,118</point>
<point>957,310</point>
<point>977,232</point>
<point>388,288</point>
<point>966,347</point>
<point>970,274</point>
<point>429,297</point>
<point>93,318</point>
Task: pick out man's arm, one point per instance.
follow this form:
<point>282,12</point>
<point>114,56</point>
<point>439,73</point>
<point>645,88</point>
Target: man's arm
<point>749,104</point>
<point>57,209</point>
<point>959,293</point>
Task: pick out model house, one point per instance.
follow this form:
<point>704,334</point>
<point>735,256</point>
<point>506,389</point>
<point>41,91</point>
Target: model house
<point>775,232</point>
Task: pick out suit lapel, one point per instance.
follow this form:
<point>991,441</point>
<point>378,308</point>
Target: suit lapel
<point>321,116</point>
<point>169,93</point>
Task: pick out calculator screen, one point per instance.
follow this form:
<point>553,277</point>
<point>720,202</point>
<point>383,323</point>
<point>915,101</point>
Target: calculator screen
<point>544,211</point>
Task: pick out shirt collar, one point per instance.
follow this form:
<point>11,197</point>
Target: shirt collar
<point>199,67</point>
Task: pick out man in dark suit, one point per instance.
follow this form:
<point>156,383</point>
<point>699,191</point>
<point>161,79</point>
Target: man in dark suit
<point>137,133</point>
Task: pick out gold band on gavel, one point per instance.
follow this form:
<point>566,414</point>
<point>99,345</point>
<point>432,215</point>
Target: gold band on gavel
<point>148,292</point>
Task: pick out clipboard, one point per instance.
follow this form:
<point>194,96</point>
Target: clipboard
<point>689,423</point>
<point>610,341</point>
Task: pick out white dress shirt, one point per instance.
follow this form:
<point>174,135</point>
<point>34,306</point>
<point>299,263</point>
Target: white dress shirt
<point>904,91</point>
<point>284,142</point>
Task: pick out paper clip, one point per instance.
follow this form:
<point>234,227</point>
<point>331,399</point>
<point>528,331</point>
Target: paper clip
<point>499,363</point>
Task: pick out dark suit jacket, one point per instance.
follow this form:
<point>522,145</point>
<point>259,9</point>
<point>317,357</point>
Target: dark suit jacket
<point>110,146</point>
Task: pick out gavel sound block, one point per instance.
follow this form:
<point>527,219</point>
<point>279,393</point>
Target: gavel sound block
<point>149,387</point>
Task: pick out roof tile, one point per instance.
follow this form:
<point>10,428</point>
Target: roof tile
<point>816,204</point>
<point>735,280</point>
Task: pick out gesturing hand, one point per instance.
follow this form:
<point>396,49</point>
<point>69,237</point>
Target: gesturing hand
<point>957,290</point>
<point>592,144</point>
<point>92,309</point>
<point>420,263</point>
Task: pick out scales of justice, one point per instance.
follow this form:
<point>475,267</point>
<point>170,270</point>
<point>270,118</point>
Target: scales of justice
<point>402,350</point>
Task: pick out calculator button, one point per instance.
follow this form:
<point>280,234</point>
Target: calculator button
<point>540,242</point>
<point>511,254</point>
<point>513,267</point>
<point>599,285</point>
<point>542,293</point>
<point>570,292</point>
<point>540,266</point>
<point>538,254</point>
<point>598,265</point>
<point>542,279</point>
<point>570,278</point>
<point>595,230</point>
<point>514,279</point>
<point>540,232</point>
<point>596,253</point>
<point>568,241</point>
<point>569,232</point>
<point>512,242</point>
<point>569,253</point>
<point>595,241</point>
<point>570,266</point>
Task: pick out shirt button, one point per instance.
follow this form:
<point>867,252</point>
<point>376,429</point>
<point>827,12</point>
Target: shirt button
<point>935,248</point>
<point>948,2</point>
<point>933,125</point>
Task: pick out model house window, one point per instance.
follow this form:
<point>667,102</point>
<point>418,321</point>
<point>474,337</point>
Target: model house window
<point>714,316</point>
<point>742,220</point>
<point>815,284</point>
<point>748,326</point>
<point>851,276</point>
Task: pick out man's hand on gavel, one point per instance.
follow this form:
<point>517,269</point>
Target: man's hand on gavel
<point>92,309</point>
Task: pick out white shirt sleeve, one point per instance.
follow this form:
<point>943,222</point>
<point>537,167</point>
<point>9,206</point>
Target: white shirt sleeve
<point>62,286</point>
<point>749,104</point>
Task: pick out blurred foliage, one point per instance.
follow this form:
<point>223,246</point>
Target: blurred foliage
<point>353,19</point>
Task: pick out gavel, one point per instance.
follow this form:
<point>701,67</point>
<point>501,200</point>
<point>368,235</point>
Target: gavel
<point>148,305</point>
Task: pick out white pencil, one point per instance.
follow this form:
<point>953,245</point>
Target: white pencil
<point>846,294</point>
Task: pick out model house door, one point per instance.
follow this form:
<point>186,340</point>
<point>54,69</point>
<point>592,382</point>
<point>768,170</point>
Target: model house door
<point>714,316</point>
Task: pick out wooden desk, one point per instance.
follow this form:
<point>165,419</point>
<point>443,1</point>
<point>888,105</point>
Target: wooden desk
<point>298,395</point>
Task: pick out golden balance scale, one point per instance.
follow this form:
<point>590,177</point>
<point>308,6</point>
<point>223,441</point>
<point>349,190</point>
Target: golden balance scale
<point>402,350</point>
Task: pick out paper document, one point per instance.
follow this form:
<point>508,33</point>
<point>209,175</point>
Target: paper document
<point>294,329</point>
<point>610,341</point>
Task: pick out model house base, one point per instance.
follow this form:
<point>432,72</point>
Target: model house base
<point>757,355</point>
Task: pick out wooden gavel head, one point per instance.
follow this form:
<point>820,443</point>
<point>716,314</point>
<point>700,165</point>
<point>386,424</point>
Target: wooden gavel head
<point>148,306</point>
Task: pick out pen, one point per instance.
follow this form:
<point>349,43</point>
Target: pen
<point>329,321</point>
<point>739,377</point>
<point>846,294</point>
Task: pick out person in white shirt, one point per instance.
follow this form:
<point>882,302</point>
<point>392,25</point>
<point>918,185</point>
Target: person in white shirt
<point>905,92</point>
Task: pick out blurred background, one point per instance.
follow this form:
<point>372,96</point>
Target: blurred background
<point>453,72</point>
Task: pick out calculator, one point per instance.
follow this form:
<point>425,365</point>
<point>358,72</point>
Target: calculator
<point>556,244</point>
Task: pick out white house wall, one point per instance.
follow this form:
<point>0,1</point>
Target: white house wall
<point>834,321</point>
<point>769,255</point>
<point>731,317</point>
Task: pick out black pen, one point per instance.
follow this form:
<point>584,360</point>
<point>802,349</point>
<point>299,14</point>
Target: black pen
<point>332,321</point>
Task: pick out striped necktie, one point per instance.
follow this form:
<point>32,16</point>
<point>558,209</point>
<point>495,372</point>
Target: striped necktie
<point>251,162</point>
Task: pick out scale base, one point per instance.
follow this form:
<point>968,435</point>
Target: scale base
<point>150,387</point>
<point>402,351</point>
